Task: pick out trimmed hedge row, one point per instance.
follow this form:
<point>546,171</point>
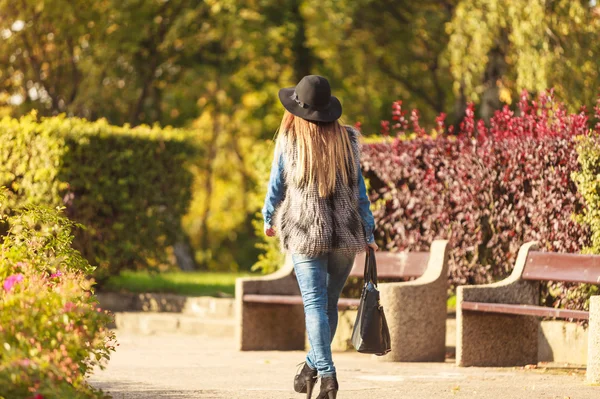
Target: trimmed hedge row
<point>488,190</point>
<point>129,187</point>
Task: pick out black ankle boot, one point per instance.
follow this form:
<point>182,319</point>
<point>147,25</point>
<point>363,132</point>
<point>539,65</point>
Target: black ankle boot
<point>329,388</point>
<point>305,380</point>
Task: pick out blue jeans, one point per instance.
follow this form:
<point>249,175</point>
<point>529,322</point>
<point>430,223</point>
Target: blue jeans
<point>321,280</point>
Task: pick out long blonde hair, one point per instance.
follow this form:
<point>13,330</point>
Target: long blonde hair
<point>324,152</point>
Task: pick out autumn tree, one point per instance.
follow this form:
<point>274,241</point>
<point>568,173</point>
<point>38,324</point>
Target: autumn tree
<point>498,48</point>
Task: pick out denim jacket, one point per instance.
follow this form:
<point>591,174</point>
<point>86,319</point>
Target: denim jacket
<point>276,193</point>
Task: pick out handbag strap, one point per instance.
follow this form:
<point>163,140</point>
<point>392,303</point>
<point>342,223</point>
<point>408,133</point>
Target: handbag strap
<point>370,267</point>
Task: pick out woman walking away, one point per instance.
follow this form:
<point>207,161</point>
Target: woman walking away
<point>318,206</point>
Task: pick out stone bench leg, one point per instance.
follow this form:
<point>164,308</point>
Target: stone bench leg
<point>261,326</point>
<point>416,312</point>
<point>593,358</point>
<point>494,340</point>
<point>270,327</point>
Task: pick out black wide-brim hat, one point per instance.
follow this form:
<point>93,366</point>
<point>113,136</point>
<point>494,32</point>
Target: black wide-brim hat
<point>311,99</point>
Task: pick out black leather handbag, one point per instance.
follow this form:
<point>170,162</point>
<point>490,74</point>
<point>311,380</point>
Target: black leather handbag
<point>371,333</point>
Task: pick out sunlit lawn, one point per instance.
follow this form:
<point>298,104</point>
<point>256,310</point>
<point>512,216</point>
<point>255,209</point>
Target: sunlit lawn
<point>452,304</point>
<point>191,284</point>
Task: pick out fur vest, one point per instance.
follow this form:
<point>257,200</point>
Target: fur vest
<point>311,225</point>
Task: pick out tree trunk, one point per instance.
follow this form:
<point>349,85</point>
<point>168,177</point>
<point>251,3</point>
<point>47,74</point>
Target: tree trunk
<point>460,108</point>
<point>185,255</point>
<point>208,187</point>
<point>304,59</point>
<point>247,181</point>
<point>490,100</point>
<point>147,81</point>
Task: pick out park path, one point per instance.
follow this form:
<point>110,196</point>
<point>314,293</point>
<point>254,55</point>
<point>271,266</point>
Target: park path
<point>186,367</point>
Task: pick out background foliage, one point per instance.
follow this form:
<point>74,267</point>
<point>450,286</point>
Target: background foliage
<point>216,65</point>
<point>499,47</point>
<point>588,184</point>
<point>488,190</point>
<point>129,187</point>
<point>52,333</point>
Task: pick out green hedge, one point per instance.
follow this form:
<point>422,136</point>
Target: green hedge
<point>129,187</point>
<point>588,185</point>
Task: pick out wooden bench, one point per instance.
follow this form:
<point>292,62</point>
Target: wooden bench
<point>389,266</point>
<point>270,316</point>
<point>497,324</point>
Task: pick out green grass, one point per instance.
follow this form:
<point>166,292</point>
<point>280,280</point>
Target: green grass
<point>452,303</point>
<point>191,284</point>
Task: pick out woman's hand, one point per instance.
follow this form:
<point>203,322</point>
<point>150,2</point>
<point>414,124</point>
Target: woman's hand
<point>270,232</point>
<point>372,245</point>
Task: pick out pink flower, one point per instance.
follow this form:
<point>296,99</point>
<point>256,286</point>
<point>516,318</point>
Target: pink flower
<point>37,396</point>
<point>57,274</point>
<point>385,128</point>
<point>10,281</point>
<point>440,122</point>
<point>69,306</point>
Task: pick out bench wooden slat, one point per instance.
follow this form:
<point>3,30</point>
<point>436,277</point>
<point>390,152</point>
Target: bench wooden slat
<point>527,310</point>
<point>573,268</point>
<point>274,299</point>
<point>394,264</point>
<point>389,265</point>
<point>293,300</point>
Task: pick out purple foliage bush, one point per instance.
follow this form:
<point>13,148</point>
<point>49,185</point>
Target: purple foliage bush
<point>488,189</point>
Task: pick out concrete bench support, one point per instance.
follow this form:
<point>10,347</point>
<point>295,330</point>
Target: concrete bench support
<point>416,312</point>
<point>269,326</point>
<point>496,340</point>
<point>593,358</point>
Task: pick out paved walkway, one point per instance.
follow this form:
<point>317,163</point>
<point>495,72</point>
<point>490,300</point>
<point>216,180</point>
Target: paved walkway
<point>182,367</point>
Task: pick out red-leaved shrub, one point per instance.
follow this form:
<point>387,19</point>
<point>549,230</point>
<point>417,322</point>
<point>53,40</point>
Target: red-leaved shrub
<point>488,189</point>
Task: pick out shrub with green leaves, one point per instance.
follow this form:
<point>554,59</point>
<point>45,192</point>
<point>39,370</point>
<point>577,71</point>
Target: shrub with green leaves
<point>52,332</point>
<point>587,180</point>
<point>130,187</point>
<point>270,257</point>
